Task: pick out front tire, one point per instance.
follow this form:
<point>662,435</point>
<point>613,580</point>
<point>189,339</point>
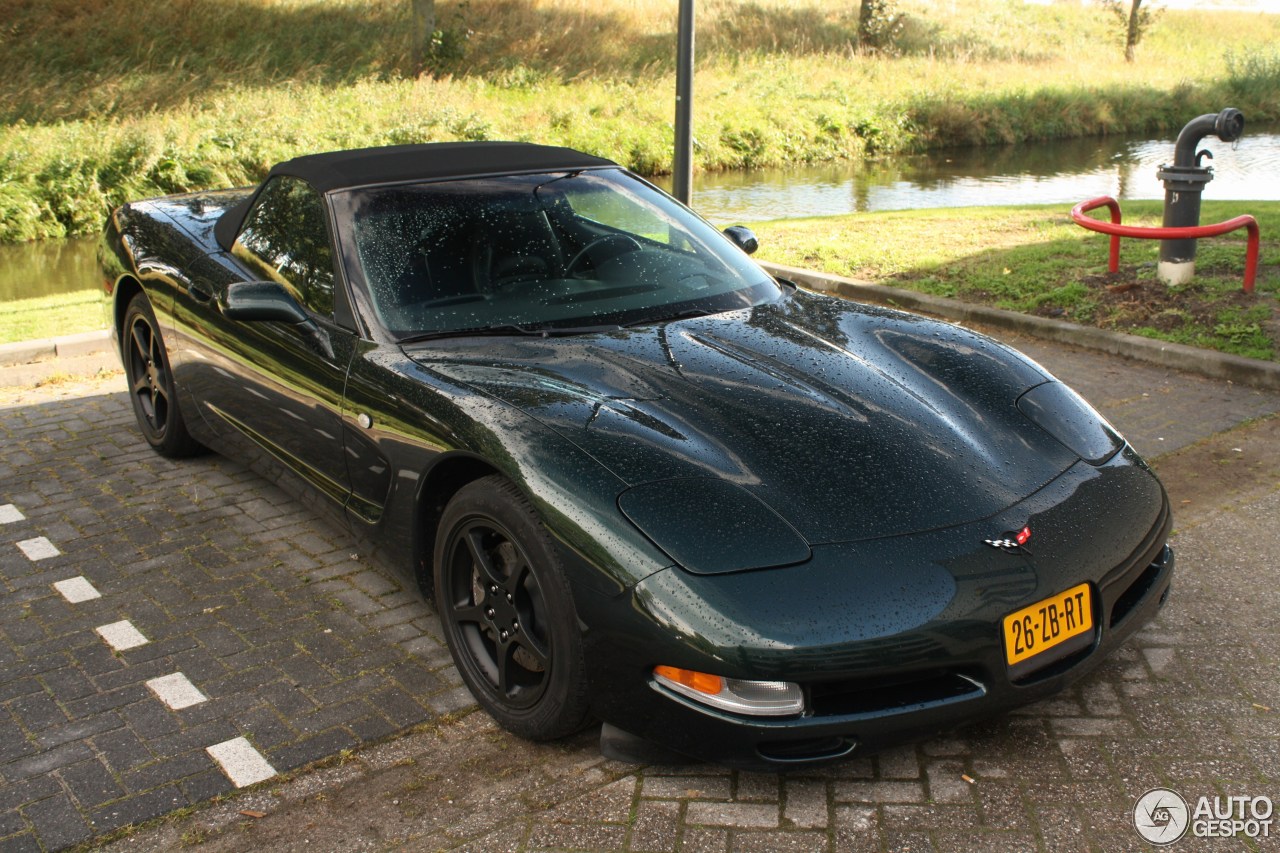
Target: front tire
<point>507,612</point>
<point>151,386</point>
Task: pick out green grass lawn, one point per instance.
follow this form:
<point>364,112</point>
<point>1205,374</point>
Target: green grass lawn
<point>1037,261</point>
<point>51,316</point>
<point>1029,259</point>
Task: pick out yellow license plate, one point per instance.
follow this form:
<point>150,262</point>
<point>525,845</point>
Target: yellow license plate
<point>1048,623</point>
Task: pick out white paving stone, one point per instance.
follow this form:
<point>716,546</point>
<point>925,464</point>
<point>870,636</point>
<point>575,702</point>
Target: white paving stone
<point>39,548</point>
<point>77,589</point>
<point>176,691</point>
<point>121,635</point>
<point>9,514</point>
<point>243,764</point>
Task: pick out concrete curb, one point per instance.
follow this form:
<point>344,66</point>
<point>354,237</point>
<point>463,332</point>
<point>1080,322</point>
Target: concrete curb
<point>29,362</point>
<point>1215,365</point>
<point>69,346</point>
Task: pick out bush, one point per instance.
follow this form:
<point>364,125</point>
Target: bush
<point>879,26</point>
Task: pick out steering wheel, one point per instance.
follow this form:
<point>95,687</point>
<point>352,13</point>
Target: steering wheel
<point>623,242</point>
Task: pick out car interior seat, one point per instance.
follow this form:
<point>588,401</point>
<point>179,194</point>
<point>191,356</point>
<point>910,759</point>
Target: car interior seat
<point>512,246</point>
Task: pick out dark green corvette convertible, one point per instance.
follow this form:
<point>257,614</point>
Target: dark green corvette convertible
<point>643,481</point>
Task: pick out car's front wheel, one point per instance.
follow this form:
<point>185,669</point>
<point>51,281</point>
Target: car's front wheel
<point>507,612</point>
<point>151,388</point>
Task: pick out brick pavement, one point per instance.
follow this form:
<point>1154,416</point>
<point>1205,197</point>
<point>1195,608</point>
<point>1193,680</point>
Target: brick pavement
<point>1191,703</point>
<point>309,653</point>
<point>297,644</point>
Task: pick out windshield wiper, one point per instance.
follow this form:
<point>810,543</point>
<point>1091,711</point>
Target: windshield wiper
<point>552,331</point>
<point>466,333</point>
<point>686,314</point>
<point>508,329</point>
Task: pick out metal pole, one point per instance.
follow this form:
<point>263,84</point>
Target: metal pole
<point>1182,188</point>
<point>682,163</point>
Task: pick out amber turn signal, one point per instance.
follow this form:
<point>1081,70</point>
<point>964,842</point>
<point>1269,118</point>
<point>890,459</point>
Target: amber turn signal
<point>739,696</point>
<point>699,681</point>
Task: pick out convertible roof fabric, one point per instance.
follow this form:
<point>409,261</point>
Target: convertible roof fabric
<point>340,169</point>
<point>393,164</point>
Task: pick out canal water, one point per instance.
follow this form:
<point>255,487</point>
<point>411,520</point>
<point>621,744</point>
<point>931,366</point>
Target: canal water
<point>46,268</point>
<point>1062,172</point>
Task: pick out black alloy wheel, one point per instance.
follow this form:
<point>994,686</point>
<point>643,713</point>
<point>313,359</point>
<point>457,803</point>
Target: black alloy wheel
<point>151,387</point>
<point>507,612</point>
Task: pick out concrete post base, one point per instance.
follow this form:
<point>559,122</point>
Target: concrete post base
<point>1174,273</point>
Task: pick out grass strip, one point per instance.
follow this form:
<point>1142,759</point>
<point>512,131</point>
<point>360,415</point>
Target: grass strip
<point>51,316</point>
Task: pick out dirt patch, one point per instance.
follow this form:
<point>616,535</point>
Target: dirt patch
<point>62,386</point>
<point>1125,299</point>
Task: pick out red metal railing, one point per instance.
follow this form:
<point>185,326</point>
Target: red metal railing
<point>1116,230</point>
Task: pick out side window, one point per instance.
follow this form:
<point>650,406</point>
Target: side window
<point>284,239</point>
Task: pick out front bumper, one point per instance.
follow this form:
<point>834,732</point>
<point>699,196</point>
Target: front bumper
<point>892,641</point>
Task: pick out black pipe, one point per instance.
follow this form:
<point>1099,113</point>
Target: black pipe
<point>1227,125</point>
<point>1184,182</point>
<point>1183,186</point>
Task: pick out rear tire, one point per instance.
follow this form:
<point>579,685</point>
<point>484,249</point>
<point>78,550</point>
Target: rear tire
<point>151,386</point>
<point>507,612</point>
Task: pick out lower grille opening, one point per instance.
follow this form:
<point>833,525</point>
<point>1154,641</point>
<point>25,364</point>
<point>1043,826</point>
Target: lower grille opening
<point>1057,667</point>
<point>891,693</point>
<point>1130,598</point>
<point>809,749</point>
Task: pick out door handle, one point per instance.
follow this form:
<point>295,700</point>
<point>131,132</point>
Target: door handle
<point>197,291</point>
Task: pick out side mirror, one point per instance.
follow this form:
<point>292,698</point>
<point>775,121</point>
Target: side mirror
<point>742,237</point>
<point>267,301</point>
<point>254,301</point>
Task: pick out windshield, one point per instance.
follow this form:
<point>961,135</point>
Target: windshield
<point>538,253</point>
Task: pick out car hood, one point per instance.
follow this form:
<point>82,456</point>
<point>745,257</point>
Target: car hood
<point>850,422</point>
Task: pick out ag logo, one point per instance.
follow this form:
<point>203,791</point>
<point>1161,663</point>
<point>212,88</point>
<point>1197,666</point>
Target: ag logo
<point>1161,816</point>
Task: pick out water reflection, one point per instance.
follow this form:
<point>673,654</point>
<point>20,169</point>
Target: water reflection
<point>47,268</point>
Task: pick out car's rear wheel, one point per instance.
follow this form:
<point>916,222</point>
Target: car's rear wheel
<point>151,388</point>
<point>507,612</point>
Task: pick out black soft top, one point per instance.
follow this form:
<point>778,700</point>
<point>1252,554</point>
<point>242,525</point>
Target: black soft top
<point>340,169</point>
<point>335,170</point>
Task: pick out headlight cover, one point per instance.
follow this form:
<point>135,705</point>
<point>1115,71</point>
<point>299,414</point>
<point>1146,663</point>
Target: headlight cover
<point>712,527</point>
<point>1063,414</point>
